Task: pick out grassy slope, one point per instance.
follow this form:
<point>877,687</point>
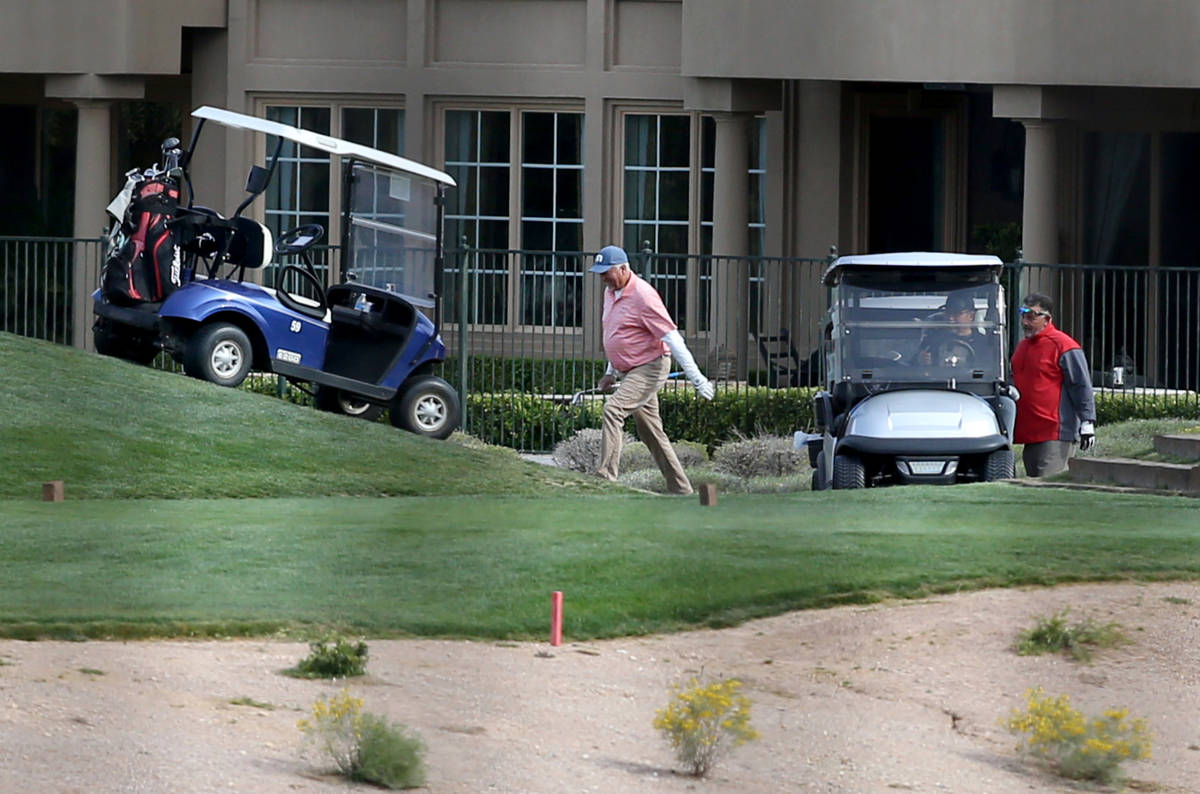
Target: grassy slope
<point>109,429</point>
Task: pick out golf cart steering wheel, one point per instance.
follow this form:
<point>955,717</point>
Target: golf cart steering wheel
<point>299,239</point>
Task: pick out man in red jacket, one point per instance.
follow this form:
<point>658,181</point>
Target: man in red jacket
<point>1057,409</point>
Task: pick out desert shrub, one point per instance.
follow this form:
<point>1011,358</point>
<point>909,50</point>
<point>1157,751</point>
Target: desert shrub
<point>332,658</point>
<point>581,452</point>
<point>1053,634</point>
<point>389,755</point>
<point>1076,746</point>
<point>759,456</point>
<point>635,455</point>
<point>365,747</point>
<point>703,722</point>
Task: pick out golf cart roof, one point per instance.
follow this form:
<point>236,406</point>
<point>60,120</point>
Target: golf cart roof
<point>325,143</point>
<point>864,263</point>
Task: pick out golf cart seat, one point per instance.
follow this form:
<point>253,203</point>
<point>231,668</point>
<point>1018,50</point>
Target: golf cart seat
<point>251,245</point>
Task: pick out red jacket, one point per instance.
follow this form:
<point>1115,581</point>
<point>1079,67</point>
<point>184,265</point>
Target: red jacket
<point>1052,375</point>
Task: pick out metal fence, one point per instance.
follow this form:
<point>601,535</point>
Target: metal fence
<point>524,323</point>
<point>1137,325</point>
<point>747,320</point>
<point>39,281</point>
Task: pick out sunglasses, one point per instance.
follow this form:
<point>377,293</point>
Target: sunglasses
<point>1030,310</point>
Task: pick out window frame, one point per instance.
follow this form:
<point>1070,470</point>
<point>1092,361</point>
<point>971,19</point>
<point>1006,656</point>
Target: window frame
<point>515,217</point>
<point>260,152</point>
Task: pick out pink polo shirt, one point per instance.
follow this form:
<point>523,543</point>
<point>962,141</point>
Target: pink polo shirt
<point>634,325</point>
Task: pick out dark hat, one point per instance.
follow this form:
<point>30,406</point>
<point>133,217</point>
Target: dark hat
<point>959,303</point>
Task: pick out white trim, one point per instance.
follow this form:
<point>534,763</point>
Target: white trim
<point>920,259</point>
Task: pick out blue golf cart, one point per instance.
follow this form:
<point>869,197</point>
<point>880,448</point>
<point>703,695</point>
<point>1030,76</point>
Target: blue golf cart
<point>360,346</point>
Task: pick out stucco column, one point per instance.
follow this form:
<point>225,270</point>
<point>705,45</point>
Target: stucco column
<point>93,185</point>
<point>1039,217</point>
<point>731,237</point>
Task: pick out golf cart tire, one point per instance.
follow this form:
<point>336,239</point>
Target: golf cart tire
<point>1001,464</point>
<point>220,353</point>
<point>111,341</point>
<point>334,400</point>
<point>848,472</point>
<point>427,406</point>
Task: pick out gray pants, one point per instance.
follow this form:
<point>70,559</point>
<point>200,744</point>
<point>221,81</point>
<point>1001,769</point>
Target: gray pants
<point>637,394</point>
<point>1047,457</point>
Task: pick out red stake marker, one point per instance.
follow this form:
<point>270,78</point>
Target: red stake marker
<point>556,612</point>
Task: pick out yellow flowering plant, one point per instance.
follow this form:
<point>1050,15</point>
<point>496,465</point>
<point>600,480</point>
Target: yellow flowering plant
<point>1076,746</point>
<point>336,727</point>
<point>365,746</point>
<point>704,721</point>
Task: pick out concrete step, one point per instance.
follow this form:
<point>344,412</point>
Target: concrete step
<point>1183,477</point>
<point>1182,446</point>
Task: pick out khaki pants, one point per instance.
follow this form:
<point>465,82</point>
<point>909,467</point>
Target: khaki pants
<point>637,394</point>
<point>1046,457</point>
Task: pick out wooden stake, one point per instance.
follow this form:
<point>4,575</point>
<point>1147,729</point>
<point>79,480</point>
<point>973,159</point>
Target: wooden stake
<point>52,491</point>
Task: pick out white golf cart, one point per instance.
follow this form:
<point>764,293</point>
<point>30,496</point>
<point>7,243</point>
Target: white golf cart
<point>917,382</point>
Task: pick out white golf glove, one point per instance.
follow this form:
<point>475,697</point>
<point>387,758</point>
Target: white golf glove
<point>704,386</point>
<point>1012,392</point>
<point>1087,435</point>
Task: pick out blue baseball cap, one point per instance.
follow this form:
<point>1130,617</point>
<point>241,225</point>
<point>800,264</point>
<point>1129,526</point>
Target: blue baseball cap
<point>609,257</point>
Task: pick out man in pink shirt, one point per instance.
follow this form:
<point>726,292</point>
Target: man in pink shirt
<point>639,339</point>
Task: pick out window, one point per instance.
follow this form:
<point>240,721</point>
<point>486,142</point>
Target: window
<point>299,193</point>
<point>552,218</point>
<point>520,186</point>
<point>305,190</point>
<point>660,172</point>
<point>658,180</point>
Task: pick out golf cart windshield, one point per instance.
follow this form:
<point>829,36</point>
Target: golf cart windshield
<point>394,231</point>
<point>917,332</point>
<point>392,235</point>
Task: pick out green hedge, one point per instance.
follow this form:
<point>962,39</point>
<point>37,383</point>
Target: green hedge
<point>1113,408</point>
<point>527,422</point>
<point>492,374</point>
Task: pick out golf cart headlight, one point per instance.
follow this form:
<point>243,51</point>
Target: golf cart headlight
<point>926,467</point>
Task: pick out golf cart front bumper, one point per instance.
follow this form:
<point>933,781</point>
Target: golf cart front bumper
<point>925,461</point>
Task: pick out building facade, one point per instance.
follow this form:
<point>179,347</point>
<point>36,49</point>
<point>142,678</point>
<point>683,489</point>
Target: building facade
<point>1068,129</point>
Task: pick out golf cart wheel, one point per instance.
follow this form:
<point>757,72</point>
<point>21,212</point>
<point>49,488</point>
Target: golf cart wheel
<point>219,353</point>
<point>334,400</point>
<point>1001,465</point>
<point>112,341</point>
<point>848,472</point>
<point>427,406</point>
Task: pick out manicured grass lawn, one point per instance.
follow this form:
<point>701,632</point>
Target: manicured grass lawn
<point>113,430</point>
<point>356,527</point>
<point>485,566</point>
